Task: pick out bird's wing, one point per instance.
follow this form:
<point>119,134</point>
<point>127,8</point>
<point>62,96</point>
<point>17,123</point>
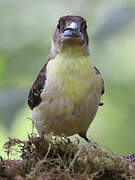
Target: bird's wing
<point>102,81</point>
<point>34,95</point>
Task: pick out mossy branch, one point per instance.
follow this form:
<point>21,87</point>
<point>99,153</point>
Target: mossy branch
<point>60,159</point>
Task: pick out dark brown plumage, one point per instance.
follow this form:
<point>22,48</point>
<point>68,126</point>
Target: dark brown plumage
<point>34,95</point>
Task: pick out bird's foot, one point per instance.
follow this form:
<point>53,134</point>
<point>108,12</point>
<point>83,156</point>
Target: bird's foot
<point>101,104</point>
<point>83,135</point>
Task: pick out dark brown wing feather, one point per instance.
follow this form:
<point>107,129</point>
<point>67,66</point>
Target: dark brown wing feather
<point>103,86</point>
<point>34,95</point>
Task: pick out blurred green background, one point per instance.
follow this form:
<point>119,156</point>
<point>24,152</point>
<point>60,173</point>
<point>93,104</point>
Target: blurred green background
<point>26,29</point>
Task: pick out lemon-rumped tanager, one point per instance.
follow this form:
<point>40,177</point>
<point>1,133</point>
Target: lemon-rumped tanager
<point>66,94</point>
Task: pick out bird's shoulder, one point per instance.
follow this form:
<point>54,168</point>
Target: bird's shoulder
<point>34,94</point>
<point>102,81</point>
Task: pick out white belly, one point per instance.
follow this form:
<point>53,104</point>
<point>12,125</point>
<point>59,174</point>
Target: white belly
<point>61,116</point>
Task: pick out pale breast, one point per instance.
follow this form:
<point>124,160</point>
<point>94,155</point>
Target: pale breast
<point>70,97</point>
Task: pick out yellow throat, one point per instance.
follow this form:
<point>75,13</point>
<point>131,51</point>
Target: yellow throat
<point>71,71</point>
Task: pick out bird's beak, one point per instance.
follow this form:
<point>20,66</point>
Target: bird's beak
<point>72,30</point>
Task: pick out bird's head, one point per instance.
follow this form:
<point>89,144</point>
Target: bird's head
<point>71,31</point>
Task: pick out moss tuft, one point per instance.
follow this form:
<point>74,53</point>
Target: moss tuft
<point>57,158</point>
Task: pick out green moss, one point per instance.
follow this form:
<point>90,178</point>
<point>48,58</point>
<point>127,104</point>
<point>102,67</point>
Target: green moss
<point>60,159</point>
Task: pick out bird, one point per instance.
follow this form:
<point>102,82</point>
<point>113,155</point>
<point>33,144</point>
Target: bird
<point>66,94</point>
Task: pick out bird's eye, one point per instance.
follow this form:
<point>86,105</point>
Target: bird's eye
<point>58,26</point>
<point>84,26</point>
